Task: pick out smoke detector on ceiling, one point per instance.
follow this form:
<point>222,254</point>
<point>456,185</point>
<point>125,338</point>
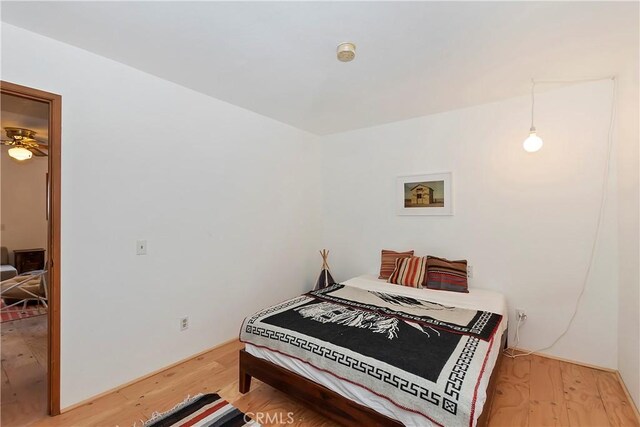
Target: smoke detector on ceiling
<point>346,52</point>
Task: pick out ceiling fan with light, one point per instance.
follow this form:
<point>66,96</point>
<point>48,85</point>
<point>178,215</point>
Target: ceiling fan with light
<point>24,144</point>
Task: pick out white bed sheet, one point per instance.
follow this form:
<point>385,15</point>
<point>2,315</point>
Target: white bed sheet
<point>476,298</point>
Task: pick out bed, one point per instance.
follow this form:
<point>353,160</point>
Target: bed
<point>369,352</point>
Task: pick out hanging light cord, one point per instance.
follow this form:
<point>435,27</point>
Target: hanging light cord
<point>533,103</point>
<point>603,198</point>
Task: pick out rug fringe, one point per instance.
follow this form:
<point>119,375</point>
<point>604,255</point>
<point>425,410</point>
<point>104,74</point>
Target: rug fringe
<point>156,416</point>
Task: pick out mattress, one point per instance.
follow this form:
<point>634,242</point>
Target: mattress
<point>475,299</point>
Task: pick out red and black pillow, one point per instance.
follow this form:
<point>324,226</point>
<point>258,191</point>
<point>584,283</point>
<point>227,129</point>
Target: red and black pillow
<point>446,275</point>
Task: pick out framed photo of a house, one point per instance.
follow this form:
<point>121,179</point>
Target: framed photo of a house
<point>428,194</point>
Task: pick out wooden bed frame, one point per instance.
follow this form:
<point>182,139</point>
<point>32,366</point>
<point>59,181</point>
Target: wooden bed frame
<point>329,403</point>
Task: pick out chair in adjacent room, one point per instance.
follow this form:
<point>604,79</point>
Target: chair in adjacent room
<point>27,287</point>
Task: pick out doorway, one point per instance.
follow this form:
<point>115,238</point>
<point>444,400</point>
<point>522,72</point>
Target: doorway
<point>28,145</point>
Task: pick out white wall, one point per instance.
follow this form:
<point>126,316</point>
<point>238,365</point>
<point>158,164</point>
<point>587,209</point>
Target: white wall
<point>629,233</point>
<point>23,203</point>
<point>525,222</point>
<point>227,200</point>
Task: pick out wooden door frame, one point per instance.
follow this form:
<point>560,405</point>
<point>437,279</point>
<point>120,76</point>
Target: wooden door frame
<point>53,251</point>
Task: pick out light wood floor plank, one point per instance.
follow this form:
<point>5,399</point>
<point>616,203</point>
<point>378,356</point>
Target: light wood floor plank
<point>511,400</point>
<point>24,375</point>
<point>547,406</point>
<point>619,410</point>
<point>584,404</point>
<point>546,413</point>
<point>110,410</point>
<point>516,370</point>
<point>510,406</point>
<point>578,381</point>
<point>546,380</point>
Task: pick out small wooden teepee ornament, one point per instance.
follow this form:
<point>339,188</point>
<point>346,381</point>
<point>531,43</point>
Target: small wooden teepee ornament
<point>325,278</point>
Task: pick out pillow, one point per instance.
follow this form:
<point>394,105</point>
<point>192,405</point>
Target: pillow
<point>446,275</point>
<point>388,262</point>
<point>409,271</point>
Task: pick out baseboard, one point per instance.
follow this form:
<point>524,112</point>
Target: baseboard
<point>629,398</point>
<point>549,356</point>
<point>144,377</point>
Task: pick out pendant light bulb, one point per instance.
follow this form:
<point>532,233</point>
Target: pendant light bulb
<point>533,143</point>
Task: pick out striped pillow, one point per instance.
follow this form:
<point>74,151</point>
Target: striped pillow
<point>388,262</point>
<point>409,271</point>
<point>446,275</point>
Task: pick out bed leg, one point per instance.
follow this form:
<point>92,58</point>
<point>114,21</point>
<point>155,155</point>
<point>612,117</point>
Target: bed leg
<point>244,381</point>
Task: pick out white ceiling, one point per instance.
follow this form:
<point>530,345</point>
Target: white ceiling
<point>413,58</point>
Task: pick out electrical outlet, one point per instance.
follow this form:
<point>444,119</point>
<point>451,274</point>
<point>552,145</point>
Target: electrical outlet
<point>184,323</point>
<point>521,315</point>
<point>141,247</point>
<point>469,271</point>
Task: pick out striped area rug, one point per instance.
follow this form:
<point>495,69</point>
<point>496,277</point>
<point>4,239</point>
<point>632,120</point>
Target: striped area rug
<point>17,313</point>
<point>203,410</point>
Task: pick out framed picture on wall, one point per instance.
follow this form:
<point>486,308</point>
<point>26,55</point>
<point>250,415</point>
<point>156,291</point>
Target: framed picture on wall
<point>428,194</point>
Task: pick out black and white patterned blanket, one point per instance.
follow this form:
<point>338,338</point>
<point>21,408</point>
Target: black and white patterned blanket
<point>422,356</point>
